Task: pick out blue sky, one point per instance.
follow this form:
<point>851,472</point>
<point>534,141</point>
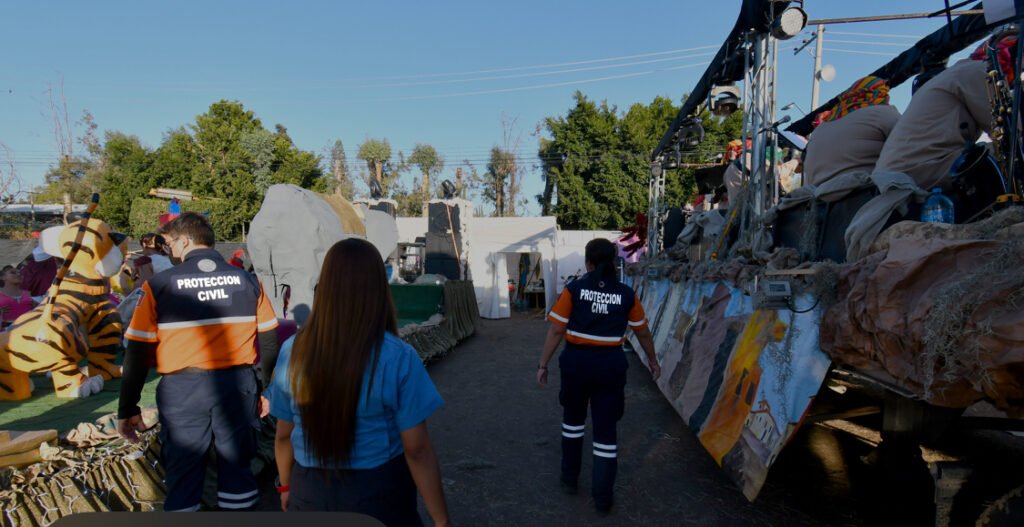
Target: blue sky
<point>410,72</point>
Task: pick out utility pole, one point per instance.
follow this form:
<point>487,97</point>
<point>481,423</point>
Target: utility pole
<point>819,34</point>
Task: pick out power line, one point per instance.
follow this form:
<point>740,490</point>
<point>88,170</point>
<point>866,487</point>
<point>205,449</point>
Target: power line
<point>539,86</point>
<point>855,34</point>
<point>542,66</point>
<point>535,74</point>
<point>864,43</point>
<point>857,52</point>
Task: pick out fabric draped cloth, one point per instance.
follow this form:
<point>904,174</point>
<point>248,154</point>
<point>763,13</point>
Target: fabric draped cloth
<point>868,91</point>
<point>1004,54</point>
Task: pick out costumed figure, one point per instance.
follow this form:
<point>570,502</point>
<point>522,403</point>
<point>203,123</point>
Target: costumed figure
<point>77,320</point>
<point>946,115</point>
<point>850,137</point>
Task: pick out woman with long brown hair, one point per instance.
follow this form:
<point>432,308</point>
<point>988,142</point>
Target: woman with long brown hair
<point>352,400</point>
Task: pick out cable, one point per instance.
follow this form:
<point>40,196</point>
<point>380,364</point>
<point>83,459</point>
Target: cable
<point>892,35</point>
<point>538,86</point>
<point>541,66</point>
<point>863,43</point>
<point>790,305</point>
<point>856,52</point>
<point>525,75</point>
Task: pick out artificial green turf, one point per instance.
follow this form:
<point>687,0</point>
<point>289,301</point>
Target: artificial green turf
<point>44,411</point>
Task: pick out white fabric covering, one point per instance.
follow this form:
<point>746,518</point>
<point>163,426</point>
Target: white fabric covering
<point>488,242</point>
<point>571,250</point>
<point>287,242</point>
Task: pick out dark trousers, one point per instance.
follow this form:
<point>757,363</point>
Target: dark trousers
<point>596,377</point>
<point>200,408</point>
<point>387,492</point>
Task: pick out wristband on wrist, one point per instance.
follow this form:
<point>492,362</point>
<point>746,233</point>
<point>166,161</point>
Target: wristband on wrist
<point>281,489</point>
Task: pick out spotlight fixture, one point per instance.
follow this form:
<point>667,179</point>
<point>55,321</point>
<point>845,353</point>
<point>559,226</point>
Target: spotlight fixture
<point>725,100</point>
<point>448,189</point>
<point>789,24</point>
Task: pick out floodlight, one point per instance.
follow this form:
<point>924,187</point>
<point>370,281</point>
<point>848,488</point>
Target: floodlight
<point>789,24</point>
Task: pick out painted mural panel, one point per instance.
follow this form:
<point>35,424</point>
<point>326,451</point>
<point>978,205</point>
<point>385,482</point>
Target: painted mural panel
<point>741,378</point>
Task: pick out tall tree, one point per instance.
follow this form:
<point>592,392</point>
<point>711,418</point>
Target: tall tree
<point>295,166</point>
<point>430,163</point>
<point>376,153</point>
<point>124,176</point>
<point>259,145</point>
<point>496,180</point>
<point>73,178</point>
<point>339,170</point>
<point>511,140</point>
<point>584,157</point>
<point>224,174</point>
<point>10,185</point>
<point>174,161</point>
<point>596,161</point>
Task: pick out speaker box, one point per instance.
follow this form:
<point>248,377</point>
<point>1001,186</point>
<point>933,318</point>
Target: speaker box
<point>673,225</point>
<point>447,267</point>
<point>443,217</point>
<point>792,229</point>
<point>838,216</point>
<point>443,245</point>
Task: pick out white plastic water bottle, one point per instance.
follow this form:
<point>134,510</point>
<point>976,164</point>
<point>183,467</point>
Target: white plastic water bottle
<point>938,208</point>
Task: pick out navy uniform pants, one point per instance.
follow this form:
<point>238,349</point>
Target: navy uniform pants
<point>596,377</point>
<point>386,492</point>
<point>202,408</point>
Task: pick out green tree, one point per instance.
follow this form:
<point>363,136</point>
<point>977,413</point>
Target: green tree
<point>259,144</point>
<point>296,166</point>
<point>376,153</point>
<point>175,161</point>
<point>496,181</point>
<point>584,157</point>
<point>226,158</point>
<point>124,176</point>
<point>596,161</point>
<point>224,170</point>
<point>430,163</point>
<point>339,171</point>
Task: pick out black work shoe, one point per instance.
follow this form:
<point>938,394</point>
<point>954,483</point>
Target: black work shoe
<point>603,508</point>
<point>569,488</point>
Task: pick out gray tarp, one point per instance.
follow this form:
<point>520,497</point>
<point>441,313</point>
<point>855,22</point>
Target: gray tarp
<point>896,189</point>
<point>287,242</point>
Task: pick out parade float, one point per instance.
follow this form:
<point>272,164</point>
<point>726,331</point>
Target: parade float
<point>768,306</point>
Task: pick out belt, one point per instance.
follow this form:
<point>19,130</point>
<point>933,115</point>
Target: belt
<point>204,370</point>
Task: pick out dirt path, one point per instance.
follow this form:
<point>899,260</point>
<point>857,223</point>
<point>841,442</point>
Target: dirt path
<point>498,439</point>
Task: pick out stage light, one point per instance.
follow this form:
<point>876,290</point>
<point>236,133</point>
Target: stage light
<point>789,24</point>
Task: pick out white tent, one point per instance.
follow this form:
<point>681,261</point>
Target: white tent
<point>490,242</point>
<point>571,249</point>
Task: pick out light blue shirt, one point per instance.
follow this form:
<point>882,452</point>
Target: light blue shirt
<point>402,397</point>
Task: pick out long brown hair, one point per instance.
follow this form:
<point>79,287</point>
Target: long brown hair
<point>352,309</point>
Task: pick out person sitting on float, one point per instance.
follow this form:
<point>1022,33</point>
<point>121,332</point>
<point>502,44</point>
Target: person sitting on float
<point>850,136</point>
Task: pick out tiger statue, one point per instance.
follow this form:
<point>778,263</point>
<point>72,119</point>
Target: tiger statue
<point>84,323</point>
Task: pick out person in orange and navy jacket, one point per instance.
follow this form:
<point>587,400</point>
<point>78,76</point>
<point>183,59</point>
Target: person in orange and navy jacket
<point>592,314</point>
<point>203,319</point>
